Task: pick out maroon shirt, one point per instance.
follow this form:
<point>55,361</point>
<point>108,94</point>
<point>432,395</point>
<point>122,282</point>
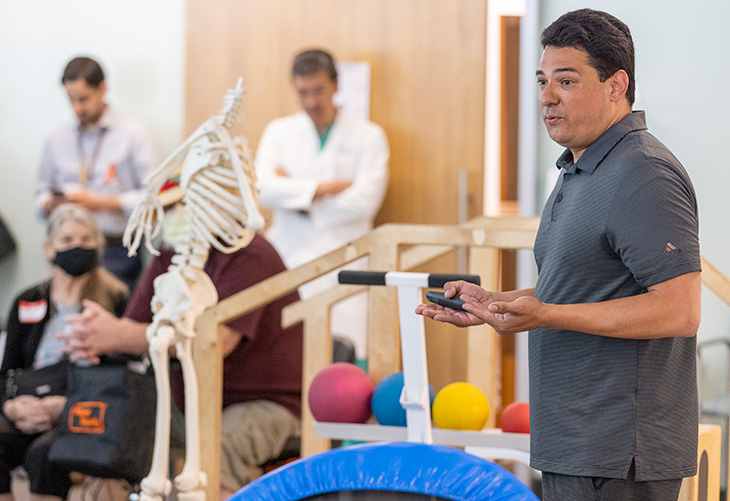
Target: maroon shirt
<point>267,363</point>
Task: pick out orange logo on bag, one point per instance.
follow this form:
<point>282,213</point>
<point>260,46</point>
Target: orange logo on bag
<point>86,417</point>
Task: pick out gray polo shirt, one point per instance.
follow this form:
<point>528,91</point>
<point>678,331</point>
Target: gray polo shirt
<point>620,220</point>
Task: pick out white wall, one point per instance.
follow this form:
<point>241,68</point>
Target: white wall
<point>140,44</point>
<point>682,71</point>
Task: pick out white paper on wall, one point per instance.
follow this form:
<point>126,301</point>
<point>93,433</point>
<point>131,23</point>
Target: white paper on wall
<point>353,88</point>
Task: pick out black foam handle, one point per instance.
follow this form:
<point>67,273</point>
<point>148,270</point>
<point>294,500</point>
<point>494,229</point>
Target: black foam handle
<point>435,280</point>
<point>439,279</point>
<point>361,277</point>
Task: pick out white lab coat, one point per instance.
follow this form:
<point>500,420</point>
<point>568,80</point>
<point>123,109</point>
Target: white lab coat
<point>356,150</point>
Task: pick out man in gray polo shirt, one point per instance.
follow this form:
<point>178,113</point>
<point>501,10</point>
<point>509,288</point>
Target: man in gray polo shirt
<point>616,308</point>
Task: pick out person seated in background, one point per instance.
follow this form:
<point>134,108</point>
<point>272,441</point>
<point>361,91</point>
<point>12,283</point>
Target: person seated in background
<point>73,245</point>
<point>262,365</point>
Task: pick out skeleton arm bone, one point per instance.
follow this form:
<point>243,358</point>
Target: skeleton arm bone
<point>147,215</point>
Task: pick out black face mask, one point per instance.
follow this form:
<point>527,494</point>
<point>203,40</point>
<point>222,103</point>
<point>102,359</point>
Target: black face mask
<point>77,261</point>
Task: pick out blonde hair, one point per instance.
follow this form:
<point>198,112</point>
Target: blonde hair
<point>74,212</point>
<point>102,287</point>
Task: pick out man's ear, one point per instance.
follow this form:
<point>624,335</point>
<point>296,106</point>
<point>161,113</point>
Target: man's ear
<point>619,85</point>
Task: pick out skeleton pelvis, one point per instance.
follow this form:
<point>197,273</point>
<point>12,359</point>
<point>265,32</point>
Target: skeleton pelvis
<point>175,296</point>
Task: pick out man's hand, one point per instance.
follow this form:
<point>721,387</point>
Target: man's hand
<point>53,202</point>
<point>330,188</point>
<point>89,335</point>
<point>94,201</point>
<point>472,294</point>
<point>505,312</point>
<point>522,314</point>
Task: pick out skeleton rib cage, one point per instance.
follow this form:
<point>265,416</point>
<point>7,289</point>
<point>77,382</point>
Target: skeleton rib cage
<point>218,179</point>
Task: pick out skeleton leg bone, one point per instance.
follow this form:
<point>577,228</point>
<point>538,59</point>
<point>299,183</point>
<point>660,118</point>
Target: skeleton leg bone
<point>191,481</point>
<point>156,485</point>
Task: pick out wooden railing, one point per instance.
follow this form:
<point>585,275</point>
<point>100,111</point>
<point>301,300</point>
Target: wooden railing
<point>391,247</point>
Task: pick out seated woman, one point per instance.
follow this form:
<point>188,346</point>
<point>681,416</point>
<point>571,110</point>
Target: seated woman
<point>73,246</point>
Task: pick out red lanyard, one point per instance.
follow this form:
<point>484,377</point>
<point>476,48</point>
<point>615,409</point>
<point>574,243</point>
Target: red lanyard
<point>84,168</point>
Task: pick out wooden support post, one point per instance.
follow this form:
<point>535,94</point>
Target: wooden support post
<point>715,281</point>
<point>383,331</point>
<point>317,355</point>
<point>705,486</point>
<point>315,315</point>
<point>484,355</point>
<point>208,359</point>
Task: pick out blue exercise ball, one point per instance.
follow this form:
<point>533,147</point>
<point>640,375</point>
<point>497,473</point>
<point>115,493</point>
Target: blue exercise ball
<point>385,402</point>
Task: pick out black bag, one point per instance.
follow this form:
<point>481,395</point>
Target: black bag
<point>48,380</point>
<point>107,427</point>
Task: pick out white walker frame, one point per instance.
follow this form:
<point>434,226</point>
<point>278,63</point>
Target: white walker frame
<point>415,395</point>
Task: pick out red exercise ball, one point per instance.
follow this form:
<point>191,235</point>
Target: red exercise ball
<point>516,418</point>
<point>341,393</point>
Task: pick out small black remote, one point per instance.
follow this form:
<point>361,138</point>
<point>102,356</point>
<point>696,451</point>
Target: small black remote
<point>438,297</point>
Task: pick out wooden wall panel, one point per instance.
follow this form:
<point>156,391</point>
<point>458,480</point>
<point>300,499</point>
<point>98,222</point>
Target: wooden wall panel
<point>427,59</point>
<point>427,62</point>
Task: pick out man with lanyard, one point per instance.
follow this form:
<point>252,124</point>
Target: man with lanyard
<point>98,161</point>
<point>324,174</point>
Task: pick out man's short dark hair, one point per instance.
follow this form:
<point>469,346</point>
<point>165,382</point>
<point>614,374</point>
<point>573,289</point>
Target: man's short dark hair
<point>311,61</point>
<point>83,67</point>
<point>606,39</point>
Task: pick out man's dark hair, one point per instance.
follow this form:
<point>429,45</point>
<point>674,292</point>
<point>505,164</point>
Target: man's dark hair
<point>83,67</point>
<point>311,61</point>
<point>605,38</point>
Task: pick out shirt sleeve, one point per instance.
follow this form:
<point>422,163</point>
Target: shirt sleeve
<point>362,200</point>
<point>654,226</point>
<point>279,192</point>
<point>242,270</point>
<point>12,340</point>
<point>143,162</point>
<point>44,179</point>
<point>139,308</point>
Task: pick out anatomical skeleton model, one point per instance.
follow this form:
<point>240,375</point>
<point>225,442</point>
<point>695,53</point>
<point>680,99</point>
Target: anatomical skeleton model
<point>220,206</point>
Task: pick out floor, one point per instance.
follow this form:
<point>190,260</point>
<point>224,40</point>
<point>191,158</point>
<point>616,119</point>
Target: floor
<point>90,489</point>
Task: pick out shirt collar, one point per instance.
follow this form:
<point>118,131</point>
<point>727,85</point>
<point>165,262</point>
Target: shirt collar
<point>596,152</point>
<point>105,122</point>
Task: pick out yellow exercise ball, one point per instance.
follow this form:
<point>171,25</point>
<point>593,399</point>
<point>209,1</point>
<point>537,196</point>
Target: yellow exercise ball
<point>460,406</point>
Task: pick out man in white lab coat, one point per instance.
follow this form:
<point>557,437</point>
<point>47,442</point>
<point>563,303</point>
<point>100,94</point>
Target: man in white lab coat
<point>324,174</point>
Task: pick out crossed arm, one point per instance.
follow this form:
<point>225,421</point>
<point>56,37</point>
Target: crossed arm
<point>668,309</point>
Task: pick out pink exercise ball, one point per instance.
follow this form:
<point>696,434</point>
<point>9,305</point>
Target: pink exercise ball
<point>341,393</point>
